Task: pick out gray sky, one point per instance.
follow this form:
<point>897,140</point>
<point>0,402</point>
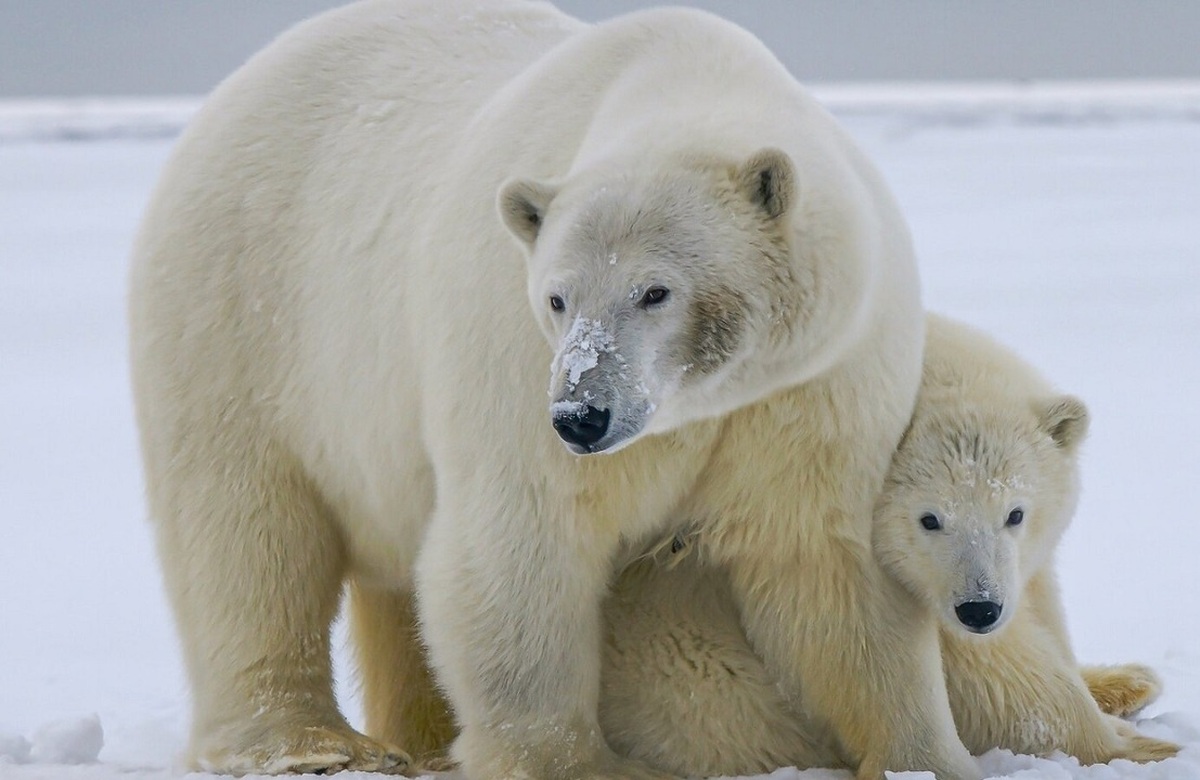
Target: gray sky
<point>160,47</point>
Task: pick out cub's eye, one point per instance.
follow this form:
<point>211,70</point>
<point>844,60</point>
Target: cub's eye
<point>930,522</point>
<point>655,295</point>
<point>1015,517</point>
<point>556,303</point>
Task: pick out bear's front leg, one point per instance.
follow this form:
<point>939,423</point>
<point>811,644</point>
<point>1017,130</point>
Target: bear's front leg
<point>511,610</point>
<point>857,655</point>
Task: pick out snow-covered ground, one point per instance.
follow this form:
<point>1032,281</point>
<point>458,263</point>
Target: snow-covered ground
<point>1065,221</point>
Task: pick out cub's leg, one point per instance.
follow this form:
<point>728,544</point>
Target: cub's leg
<point>1122,690</point>
<point>253,567</point>
<point>1019,690</point>
<point>682,690</point>
<point>1119,690</point>
<point>403,704</point>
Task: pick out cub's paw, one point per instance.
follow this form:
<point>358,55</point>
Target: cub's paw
<point>559,753</point>
<point>1136,746</point>
<point>1144,750</point>
<point>307,750</point>
<point>607,768</point>
<point>614,768</point>
<point>1122,690</point>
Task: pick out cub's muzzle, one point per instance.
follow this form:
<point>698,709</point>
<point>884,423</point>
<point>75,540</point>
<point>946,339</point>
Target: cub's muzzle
<point>978,616</point>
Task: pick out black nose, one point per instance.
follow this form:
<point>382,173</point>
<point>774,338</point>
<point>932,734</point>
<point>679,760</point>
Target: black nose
<point>582,428</point>
<point>979,616</point>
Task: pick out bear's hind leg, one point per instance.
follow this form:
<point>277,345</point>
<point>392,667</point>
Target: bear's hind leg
<point>403,704</point>
<point>1122,690</point>
<point>254,566</point>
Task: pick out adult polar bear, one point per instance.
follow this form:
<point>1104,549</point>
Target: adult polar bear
<point>336,371</point>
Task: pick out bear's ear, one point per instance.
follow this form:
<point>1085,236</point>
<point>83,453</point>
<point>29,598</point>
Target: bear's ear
<point>768,179</point>
<point>523,205</point>
<point>1065,418</point>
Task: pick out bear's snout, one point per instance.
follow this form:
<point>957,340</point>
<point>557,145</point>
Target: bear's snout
<point>581,427</point>
<point>978,616</point>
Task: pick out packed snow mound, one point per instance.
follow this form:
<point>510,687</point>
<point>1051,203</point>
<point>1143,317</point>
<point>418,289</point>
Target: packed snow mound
<point>67,741</point>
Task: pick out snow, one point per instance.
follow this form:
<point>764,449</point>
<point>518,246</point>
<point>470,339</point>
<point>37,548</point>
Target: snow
<point>68,741</point>
<point>567,409</point>
<point>581,349</point>
<point>1065,220</point>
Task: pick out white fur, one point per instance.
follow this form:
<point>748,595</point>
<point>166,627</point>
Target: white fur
<point>685,690</point>
<point>337,373</point>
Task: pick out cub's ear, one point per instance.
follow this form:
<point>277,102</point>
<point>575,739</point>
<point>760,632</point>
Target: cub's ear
<point>1065,418</point>
<point>768,179</point>
<point>523,204</point>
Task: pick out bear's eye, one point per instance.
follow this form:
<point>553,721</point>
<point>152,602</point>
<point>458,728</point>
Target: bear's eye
<point>1015,517</point>
<point>655,295</point>
<point>930,522</point>
<point>556,303</point>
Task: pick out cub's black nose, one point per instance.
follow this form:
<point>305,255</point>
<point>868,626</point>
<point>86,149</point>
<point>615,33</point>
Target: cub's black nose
<point>583,428</point>
<point>979,616</point>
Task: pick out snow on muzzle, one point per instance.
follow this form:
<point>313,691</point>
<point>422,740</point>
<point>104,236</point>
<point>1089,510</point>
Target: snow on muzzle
<point>595,407</point>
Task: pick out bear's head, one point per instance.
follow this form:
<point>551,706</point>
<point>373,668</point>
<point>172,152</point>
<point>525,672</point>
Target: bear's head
<point>975,503</point>
<point>653,287</point>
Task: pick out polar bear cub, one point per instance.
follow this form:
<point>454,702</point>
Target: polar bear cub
<point>980,490</point>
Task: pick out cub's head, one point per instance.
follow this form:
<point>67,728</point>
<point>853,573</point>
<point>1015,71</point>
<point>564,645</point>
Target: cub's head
<point>975,503</point>
<point>653,286</point>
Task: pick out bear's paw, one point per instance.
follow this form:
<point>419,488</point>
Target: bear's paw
<point>308,750</point>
